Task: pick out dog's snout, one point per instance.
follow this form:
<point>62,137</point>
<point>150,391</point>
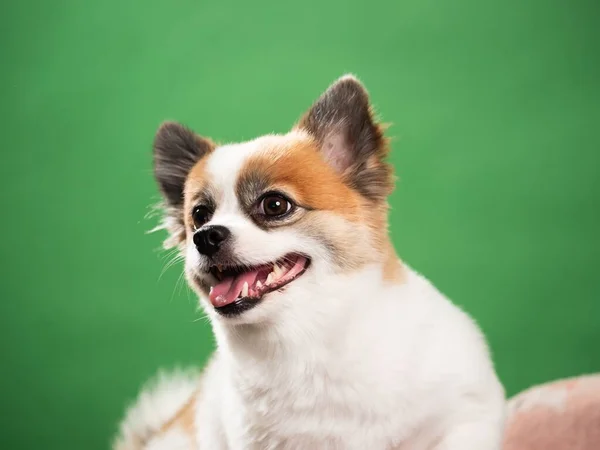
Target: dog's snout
<point>208,240</point>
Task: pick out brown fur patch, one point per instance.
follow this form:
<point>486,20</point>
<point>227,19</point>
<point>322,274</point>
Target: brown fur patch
<point>184,419</point>
<point>295,164</point>
<point>393,268</point>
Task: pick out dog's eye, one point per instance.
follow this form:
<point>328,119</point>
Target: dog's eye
<point>275,205</point>
<point>200,215</point>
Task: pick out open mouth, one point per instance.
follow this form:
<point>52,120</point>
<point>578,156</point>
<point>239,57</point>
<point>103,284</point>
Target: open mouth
<point>239,288</point>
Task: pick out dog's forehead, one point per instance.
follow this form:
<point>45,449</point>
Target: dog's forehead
<point>235,175</point>
<point>239,170</point>
<point>226,162</point>
<point>227,166</point>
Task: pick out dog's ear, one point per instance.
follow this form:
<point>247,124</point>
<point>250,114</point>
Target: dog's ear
<point>176,150</point>
<point>350,139</point>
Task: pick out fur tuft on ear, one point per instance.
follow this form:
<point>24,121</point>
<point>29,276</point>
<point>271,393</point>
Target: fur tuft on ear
<point>176,150</point>
<point>351,141</point>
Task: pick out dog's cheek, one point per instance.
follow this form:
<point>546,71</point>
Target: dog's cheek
<point>346,245</point>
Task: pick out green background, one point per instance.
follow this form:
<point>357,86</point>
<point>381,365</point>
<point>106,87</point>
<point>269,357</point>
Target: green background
<point>496,113</point>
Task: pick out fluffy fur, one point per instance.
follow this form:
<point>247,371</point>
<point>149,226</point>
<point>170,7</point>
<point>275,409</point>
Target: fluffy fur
<point>357,352</point>
<point>158,403</point>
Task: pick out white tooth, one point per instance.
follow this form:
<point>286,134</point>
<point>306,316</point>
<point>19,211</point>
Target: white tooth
<point>277,270</point>
<point>245,290</point>
<point>211,289</point>
<point>220,267</point>
<point>269,279</point>
<point>258,284</point>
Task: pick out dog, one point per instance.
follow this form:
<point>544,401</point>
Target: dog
<point>325,338</point>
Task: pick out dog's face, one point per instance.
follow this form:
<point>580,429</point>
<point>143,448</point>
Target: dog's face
<point>263,222</point>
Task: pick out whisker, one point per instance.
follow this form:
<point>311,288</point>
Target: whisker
<point>177,258</point>
<point>177,284</point>
<point>202,317</point>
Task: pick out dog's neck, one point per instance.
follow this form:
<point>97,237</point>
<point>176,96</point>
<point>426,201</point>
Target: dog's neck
<point>314,333</point>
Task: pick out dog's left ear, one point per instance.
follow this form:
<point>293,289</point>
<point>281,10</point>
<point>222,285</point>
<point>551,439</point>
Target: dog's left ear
<point>350,139</point>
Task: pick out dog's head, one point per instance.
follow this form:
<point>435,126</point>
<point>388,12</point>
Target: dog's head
<point>270,220</point>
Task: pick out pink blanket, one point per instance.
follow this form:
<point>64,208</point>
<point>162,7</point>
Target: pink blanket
<point>562,415</point>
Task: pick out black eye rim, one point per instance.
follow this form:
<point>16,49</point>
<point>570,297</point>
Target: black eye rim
<point>200,209</point>
<point>281,195</point>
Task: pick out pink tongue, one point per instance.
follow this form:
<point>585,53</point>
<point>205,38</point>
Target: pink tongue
<point>228,290</point>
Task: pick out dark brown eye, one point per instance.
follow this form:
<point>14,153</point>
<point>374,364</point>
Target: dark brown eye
<point>275,205</point>
<point>200,215</point>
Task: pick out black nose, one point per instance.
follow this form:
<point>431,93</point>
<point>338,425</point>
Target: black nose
<point>209,239</point>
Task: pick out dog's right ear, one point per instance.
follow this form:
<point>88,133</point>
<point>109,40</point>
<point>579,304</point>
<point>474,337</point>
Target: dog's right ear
<point>176,150</point>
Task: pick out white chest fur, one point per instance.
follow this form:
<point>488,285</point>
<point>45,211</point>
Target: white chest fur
<point>392,365</point>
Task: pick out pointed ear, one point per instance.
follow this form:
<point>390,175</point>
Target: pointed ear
<point>349,138</point>
<point>176,150</point>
